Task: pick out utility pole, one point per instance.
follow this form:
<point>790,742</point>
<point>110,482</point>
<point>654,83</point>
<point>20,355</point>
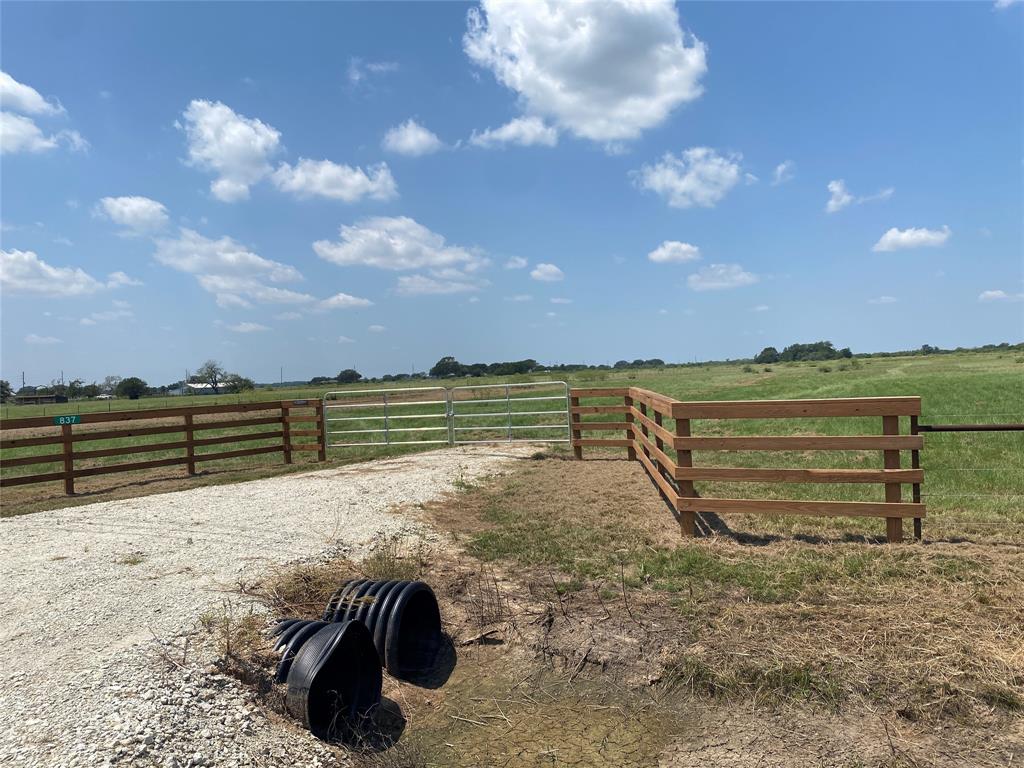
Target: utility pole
<point>282,375</point>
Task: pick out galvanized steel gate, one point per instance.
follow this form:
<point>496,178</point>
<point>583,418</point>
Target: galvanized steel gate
<point>483,413</point>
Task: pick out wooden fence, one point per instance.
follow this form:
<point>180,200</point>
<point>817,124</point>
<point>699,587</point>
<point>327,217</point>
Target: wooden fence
<point>69,432</point>
<point>648,439</point>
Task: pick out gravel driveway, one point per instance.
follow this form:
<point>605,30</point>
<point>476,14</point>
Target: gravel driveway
<point>89,594</point>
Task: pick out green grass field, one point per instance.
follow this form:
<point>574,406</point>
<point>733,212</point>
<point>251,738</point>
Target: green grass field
<point>979,476</point>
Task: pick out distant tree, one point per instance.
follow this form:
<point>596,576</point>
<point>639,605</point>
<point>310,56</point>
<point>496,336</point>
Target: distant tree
<point>5,391</point>
<point>767,355</point>
<point>317,381</point>
<point>819,350</point>
<point>28,389</point>
<point>446,366</point>
<point>211,372</point>
<point>233,384</point>
<point>91,390</point>
<point>110,383</point>
<point>348,376</point>
<point>654,362</point>
<point>133,388</point>
<point>74,389</point>
<point>621,364</point>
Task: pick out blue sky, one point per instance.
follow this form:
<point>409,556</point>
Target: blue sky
<point>323,186</point>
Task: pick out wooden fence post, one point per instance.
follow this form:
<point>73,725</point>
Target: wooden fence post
<point>574,420</point>
<point>69,460</point>
<point>915,462</point>
<point>287,429</point>
<point>190,449</point>
<point>687,518</point>
<point>321,425</point>
<point>643,428</point>
<point>631,450</point>
<point>893,491</point>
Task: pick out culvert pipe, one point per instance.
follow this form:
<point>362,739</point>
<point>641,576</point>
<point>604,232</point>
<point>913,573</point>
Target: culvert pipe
<point>402,617</point>
<point>333,675</point>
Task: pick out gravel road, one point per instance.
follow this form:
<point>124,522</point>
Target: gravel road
<point>89,595</point>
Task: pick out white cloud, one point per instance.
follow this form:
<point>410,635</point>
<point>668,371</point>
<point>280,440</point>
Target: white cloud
<point>119,279</point>
<point>516,262</point>
<point>523,131</point>
<point>697,177</point>
<point>898,239</point>
<point>344,301</point>
<point>673,251</point>
<point>411,139</point>
<point>519,298</point>
<point>235,148</point>
<point>288,316</point>
<point>784,172</point>
<point>561,301</point>
<point>227,269</point>
<point>247,328</point>
<point>718,277</point>
<point>603,71</point>
<point>421,285</point>
<point>345,340</point>
<point>360,71</point>
<point>24,272</point>
<point>760,308</point>
<point>840,196</point>
<point>36,339</point>
<point>550,314</point>
<point>474,299</point>
<point>107,316</point>
<point>376,329</point>
<point>396,243</point>
<point>1001,5</point>
<point>25,99</point>
<point>999,295</point>
<point>547,273</point>
<point>883,300</point>
<point>323,178</point>
<point>137,214</point>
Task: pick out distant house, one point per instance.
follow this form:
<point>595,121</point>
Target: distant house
<point>34,399</point>
<point>192,388</point>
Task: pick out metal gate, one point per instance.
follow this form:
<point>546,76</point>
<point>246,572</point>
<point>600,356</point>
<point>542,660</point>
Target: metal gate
<point>536,412</point>
<point>479,413</point>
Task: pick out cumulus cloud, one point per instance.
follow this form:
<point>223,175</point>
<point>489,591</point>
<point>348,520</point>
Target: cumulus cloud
<point>138,215</point>
<point>519,298</point>
<point>247,328</point>
<point>19,133</point>
<point>673,251</point>
<point>899,239</point>
<point>344,301</point>
<point>25,99</point>
<point>784,171</point>
<point>376,329</point>
<point>523,132</point>
<point>345,340</point>
<point>24,272</point>
<point>560,300</point>
<point>234,274</point>
<point>411,139</point>
<point>322,178</point>
<point>883,300</point>
<point>547,273</point>
<point>516,262</point>
<point>1000,295</point>
<point>119,312</point>
<point>237,149</point>
<point>398,243</point>
<point>33,338</point>
<point>604,71</point>
<point>699,176</point>
<point>840,197</point>
<point>719,277</point>
<point>760,308</point>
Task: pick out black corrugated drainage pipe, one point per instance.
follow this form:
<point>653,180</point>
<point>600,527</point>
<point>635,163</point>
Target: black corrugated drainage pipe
<point>333,675</point>
<point>402,617</point>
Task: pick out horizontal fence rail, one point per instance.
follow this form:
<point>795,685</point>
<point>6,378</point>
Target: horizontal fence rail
<point>643,417</point>
<point>73,433</point>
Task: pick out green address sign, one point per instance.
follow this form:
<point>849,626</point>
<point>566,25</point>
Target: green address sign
<point>62,420</point>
